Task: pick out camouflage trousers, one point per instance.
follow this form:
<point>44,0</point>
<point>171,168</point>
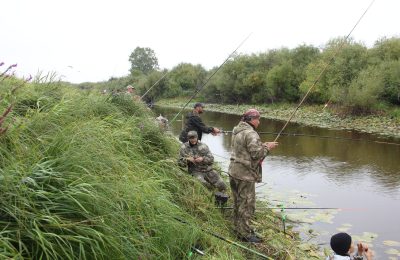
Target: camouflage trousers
<point>210,179</point>
<point>244,205</point>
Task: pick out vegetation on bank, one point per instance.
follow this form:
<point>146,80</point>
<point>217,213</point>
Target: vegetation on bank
<point>359,80</point>
<point>313,115</point>
<point>89,176</point>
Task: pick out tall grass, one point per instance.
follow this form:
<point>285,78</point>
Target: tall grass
<point>84,176</point>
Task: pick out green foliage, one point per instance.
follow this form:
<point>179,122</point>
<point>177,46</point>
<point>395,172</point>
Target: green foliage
<point>347,63</point>
<point>391,73</point>
<point>185,79</point>
<point>365,90</point>
<point>147,83</point>
<point>385,50</point>
<point>281,80</point>
<point>143,60</point>
<point>285,75</point>
<point>87,176</point>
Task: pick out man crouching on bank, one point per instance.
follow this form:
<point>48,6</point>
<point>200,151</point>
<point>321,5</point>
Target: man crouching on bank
<point>198,158</point>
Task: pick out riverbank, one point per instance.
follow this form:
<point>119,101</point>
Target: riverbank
<point>315,115</point>
<point>85,176</point>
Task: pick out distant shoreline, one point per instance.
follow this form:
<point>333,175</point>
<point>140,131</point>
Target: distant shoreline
<point>314,115</point>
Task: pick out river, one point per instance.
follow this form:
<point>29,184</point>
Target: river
<point>359,178</point>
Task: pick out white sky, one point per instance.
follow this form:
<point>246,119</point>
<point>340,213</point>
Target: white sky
<point>96,37</point>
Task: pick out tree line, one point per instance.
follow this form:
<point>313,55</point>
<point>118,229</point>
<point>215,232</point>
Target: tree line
<point>359,78</point>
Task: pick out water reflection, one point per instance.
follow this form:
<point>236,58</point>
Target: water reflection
<point>347,159</point>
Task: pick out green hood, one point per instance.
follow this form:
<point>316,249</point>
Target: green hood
<point>241,127</point>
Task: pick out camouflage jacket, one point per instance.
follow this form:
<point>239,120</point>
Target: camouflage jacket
<point>247,153</point>
<point>198,150</point>
<point>194,122</point>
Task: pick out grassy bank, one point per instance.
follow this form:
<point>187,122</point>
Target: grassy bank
<point>387,124</point>
<point>84,176</point>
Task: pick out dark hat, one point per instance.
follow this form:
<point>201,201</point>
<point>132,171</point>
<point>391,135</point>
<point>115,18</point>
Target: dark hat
<point>341,243</point>
<point>192,134</point>
<point>198,104</point>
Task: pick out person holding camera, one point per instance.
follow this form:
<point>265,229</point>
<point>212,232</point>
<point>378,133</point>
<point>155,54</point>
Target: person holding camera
<point>344,249</point>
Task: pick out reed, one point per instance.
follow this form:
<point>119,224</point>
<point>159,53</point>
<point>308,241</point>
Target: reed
<point>84,176</point>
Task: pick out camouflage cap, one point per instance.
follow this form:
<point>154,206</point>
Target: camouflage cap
<point>251,113</point>
<point>192,134</point>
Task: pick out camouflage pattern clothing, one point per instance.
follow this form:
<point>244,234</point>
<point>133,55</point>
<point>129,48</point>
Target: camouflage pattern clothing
<point>202,171</point>
<point>244,170</point>
<point>194,122</point>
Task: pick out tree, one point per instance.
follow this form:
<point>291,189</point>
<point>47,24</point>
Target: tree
<point>143,60</point>
<point>365,90</point>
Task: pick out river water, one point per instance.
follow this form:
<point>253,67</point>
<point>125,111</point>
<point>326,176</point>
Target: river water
<point>361,178</point>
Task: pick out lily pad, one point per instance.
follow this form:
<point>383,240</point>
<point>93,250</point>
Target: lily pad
<point>392,251</point>
<point>344,227</point>
<point>391,243</point>
<point>366,237</point>
<point>325,217</point>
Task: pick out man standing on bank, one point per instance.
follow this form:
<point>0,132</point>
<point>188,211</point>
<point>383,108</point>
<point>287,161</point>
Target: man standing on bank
<point>248,152</point>
<point>193,122</point>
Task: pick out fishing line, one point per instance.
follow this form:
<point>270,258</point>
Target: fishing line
<point>322,137</point>
<point>227,240</point>
<point>201,87</point>
<point>323,71</point>
<point>154,84</point>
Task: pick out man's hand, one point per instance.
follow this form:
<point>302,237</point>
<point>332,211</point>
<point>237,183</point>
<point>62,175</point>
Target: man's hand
<point>215,131</point>
<point>270,145</point>
<point>363,250</point>
<point>199,159</point>
<point>190,159</point>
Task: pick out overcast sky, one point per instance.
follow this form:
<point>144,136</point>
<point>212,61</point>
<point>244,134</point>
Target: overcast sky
<point>85,40</point>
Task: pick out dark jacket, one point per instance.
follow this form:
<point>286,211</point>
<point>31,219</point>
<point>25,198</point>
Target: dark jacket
<point>194,122</point>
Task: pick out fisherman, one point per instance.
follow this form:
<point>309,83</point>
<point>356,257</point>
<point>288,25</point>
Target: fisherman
<point>162,122</point>
<point>343,246</point>
<point>130,89</point>
<point>194,122</point>
<point>248,152</point>
<point>197,157</point>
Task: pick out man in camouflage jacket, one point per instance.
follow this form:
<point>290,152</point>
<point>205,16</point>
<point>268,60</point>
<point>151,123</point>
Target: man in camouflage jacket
<point>248,152</point>
<point>197,157</point>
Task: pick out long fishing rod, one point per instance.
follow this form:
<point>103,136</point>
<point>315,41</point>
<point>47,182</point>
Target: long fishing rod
<point>302,208</point>
<point>202,86</point>
<point>322,137</point>
<point>282,208</point>
<point>227,240</point>
<point>154,85</point>
<point>323,71</point>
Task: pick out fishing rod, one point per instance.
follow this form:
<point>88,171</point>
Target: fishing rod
<point>284,208</point>
<point>227,240</point>
<point>202,86</point>
<point>154,84</point>
<point>302,208</point>
<point>323,71</point>
<point>261,183</point>
<point>322,137</point>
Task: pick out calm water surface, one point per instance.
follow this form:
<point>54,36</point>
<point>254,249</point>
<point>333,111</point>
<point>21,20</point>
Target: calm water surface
<point>362,178</point>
